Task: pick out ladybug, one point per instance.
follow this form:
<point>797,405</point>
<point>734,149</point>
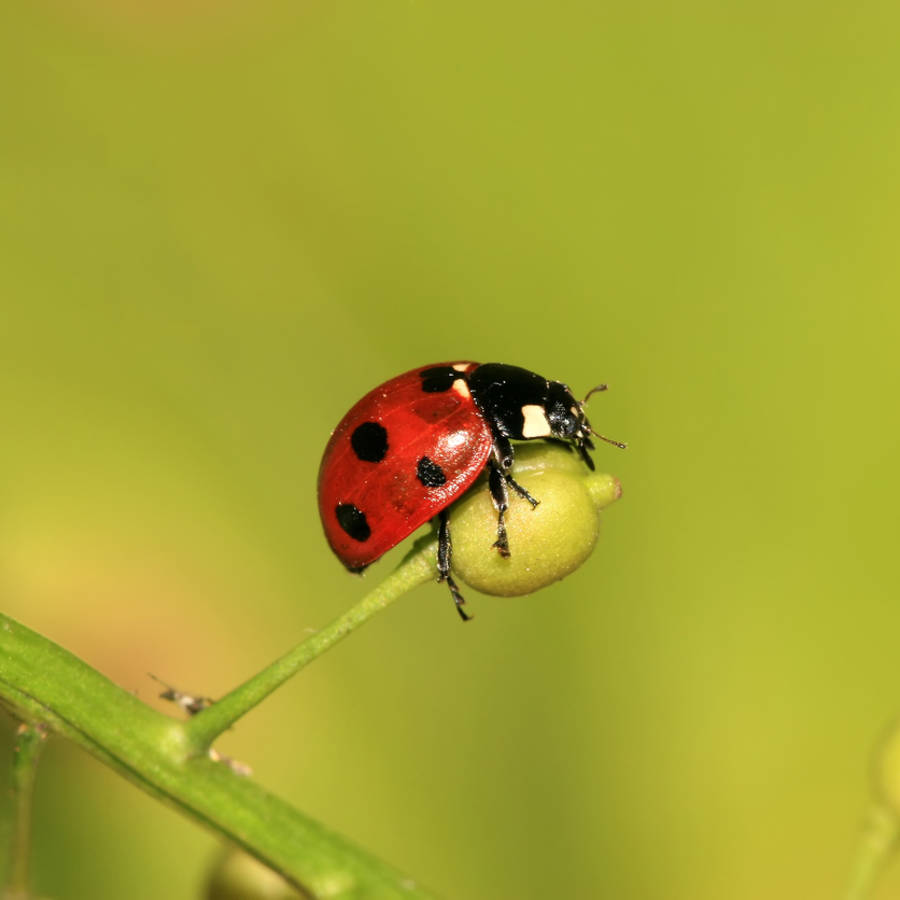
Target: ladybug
<point>416,443</point>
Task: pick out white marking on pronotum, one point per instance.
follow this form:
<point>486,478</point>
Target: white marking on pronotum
<point>460,367</point>
<point>534,422</point>
<point>461,388</point>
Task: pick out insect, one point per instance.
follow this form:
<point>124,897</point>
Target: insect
<point>416,443</point>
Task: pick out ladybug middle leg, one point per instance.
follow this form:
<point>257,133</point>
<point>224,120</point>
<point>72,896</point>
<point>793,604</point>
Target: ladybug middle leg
<point>445,551</point>
<point>499,480</point>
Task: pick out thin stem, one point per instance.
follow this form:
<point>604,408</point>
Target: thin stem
<point>42,682</point>
<point>417,567</point>
<point>26,753</point>
<point>877,843</point>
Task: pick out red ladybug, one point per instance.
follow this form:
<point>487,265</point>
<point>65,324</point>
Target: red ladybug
<point>414,444</point>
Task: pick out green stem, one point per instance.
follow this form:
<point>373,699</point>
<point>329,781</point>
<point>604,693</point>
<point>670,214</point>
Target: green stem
<point>417,568</point>
<point>26,753</point>
<point>877,843</point>
<point>42,682</point>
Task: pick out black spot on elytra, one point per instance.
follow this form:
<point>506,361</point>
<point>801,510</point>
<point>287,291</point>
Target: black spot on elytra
<point>430,473</point>
<point>353,521</point>
<point>438,379</point>
<point>369,442</point>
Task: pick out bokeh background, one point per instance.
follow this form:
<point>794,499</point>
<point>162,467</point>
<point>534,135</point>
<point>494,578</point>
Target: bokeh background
<point>220,224</point>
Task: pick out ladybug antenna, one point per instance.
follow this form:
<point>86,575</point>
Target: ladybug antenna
<point>597,390</point>
<point>594,390</point>
<point>620,444</point>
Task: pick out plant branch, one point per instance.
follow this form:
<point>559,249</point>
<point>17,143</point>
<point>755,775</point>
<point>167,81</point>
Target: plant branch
<point>29,742</point>
<point>417,567</point>
<point>877,843</point>
<point>41,682</point>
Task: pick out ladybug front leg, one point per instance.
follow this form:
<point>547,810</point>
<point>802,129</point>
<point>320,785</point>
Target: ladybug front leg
<point>445,551</point>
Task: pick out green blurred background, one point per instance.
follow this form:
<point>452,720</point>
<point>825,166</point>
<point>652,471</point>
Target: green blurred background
<point>221,224</point>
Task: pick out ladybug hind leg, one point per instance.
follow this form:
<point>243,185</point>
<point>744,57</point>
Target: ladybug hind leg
<point>445,551</point>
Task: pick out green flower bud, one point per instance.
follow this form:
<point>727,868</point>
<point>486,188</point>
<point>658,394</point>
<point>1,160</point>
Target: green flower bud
<point>547,542</point>
<point>238,876</point>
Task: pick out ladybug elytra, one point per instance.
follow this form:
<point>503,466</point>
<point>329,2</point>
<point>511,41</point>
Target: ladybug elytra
<point>416,443</point>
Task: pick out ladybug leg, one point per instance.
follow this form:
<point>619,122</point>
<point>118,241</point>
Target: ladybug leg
<point>445,551</point>
<point>500,496</point>
<point>499,480</point>
<point>521,491</point>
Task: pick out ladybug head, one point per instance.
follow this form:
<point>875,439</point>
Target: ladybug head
<point>569,422</point>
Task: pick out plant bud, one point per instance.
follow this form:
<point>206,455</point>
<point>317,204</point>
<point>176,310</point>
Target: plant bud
<point>238,876</point>
<point>546,542</point>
